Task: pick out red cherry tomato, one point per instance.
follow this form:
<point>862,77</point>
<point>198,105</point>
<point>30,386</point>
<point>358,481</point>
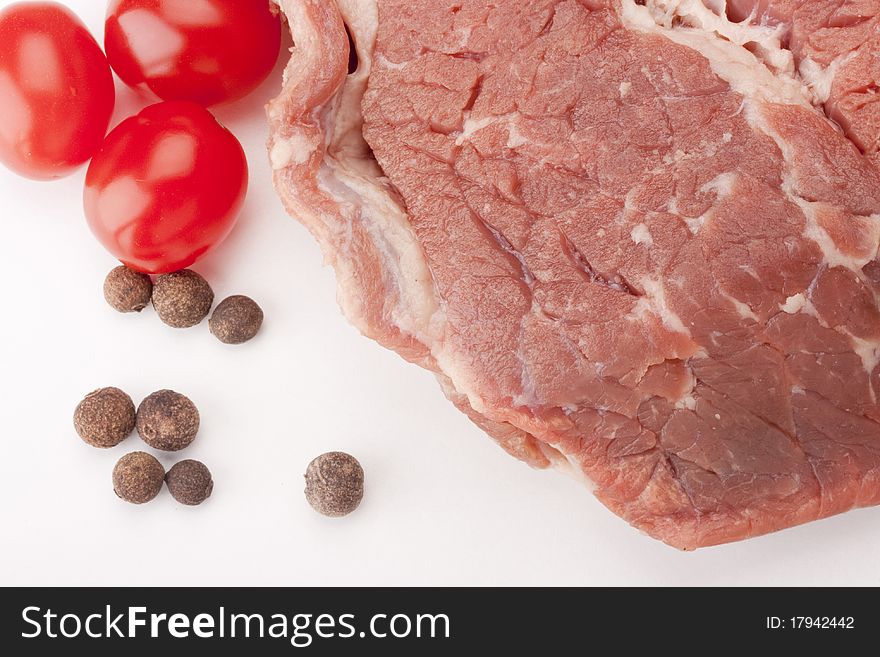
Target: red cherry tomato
<point>56,91</point>
<point>207,51</point>
<point>165,187</point>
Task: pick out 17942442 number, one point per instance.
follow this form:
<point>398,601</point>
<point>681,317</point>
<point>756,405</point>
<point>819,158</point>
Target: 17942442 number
<point>811,623</point>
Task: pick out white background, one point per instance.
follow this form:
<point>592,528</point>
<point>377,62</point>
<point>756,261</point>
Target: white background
<point>443,505</point>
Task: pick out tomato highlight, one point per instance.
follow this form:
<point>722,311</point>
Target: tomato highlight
<point>206,51</point>
<point>166,187</point>
<point>56,91</point>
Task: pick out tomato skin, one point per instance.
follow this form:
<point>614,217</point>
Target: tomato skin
<point>166,187</point>
<point>207,51</point>
<point>56,91</point>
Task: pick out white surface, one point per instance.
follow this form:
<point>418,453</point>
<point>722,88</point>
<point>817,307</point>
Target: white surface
<point>444,505</point>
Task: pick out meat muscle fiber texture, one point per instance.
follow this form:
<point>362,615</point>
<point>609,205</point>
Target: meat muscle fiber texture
<point>634,240</point>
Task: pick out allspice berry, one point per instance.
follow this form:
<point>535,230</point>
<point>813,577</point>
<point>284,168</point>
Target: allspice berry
<point>105,417</point>
<point>182,299</point>
<point>167,420</point>
<point>138,477</point>
<point>127,290</point>
<point>334,484</point>
<point>190,482</point>
<point>236,320</point>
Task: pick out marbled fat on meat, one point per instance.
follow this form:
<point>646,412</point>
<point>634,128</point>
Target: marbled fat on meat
<point>836,46</point>
<point>635,240</point>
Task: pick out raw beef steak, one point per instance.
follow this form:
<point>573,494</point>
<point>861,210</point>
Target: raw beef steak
<point>634,239</point>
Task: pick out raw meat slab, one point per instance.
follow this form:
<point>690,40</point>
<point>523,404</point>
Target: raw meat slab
<point>634,240</point>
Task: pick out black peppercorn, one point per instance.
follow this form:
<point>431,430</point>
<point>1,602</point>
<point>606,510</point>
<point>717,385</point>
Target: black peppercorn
<point>138,477</point>
<point>127,290</point>
<point>105,417</point>
<point>334,484</point>
<point>167,420</point>
<point>182,299</point>
<point>189,482</point>
<point>236,320</point>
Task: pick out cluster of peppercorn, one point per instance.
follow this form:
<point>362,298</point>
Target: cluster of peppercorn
<point>166,421</point>
<point>183,299</point>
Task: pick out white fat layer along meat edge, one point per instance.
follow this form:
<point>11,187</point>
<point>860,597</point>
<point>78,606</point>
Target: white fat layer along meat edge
<point>346,133</point>
<point>294,147</point>
<point>418,311</point>
<point>350,179</point>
